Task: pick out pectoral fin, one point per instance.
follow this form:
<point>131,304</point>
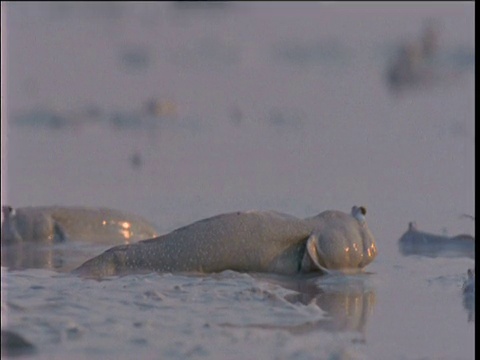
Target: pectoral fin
<point>312,258</point>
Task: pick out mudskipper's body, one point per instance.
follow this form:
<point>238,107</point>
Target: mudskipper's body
<point>53,224</point>
<point>252,241</point>
<point>416,242</point>
<point>62,238</point>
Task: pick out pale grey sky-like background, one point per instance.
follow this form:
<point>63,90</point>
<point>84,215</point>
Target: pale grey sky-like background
<point>256,126</point>
<point>279,105</point>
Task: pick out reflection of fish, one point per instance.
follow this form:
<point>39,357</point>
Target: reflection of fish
<point>247,241</point>
<point>347,301</point>
<point>469,294</point>
<point>60,257</point>
<point>469,285</point>
<point>415,242</point>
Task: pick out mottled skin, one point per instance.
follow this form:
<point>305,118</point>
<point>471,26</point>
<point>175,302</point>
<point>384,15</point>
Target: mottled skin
<point>414,241</point>
<point>253,241</point>
<point>54,224</point>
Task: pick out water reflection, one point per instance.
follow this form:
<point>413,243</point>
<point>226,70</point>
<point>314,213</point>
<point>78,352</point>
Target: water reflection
<point>469,294</point>
<point>59,257</point>
<point>347,300</point>
<point>415,242</point>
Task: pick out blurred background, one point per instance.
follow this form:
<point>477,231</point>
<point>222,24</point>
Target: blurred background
<point>177,111</point>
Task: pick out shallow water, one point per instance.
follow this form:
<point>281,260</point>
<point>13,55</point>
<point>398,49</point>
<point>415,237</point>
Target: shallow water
<point>389,312</point>
<point>283,107</point>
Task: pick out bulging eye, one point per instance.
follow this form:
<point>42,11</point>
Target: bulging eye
<point>359,213</point>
